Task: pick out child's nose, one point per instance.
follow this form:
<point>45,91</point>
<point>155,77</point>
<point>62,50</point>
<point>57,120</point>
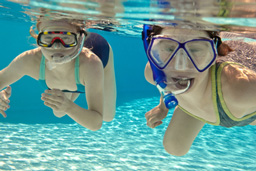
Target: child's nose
<point>181,60</point>
<point>57,45</point>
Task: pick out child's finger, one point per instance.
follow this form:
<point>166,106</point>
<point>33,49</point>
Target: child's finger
<point>4,104</point>
<point>3,113</point>
<point>157,124</point>
<point>56,92</point>
<point>50,105</point>
<point>51,98</point>
<point>8,90</point>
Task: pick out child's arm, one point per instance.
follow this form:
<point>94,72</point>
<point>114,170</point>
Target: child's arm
<point>12,73</point>
<point>92,117</point>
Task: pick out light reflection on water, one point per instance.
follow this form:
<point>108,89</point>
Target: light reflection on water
<point>125,144</point>
<point>127,16</point>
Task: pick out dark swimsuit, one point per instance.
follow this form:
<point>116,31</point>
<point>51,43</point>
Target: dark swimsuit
<point>223,115</point>
<point>97,44</point>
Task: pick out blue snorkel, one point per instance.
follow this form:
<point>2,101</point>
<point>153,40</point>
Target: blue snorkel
<point>159,77</point>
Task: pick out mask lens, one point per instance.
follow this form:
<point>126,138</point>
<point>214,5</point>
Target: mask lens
<point>201,52</point>
<point>48,39</point>
<point>162,51</point>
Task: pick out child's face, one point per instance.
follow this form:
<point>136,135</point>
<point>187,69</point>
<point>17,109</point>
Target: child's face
<point>178,60</point>
<point>57,50</point>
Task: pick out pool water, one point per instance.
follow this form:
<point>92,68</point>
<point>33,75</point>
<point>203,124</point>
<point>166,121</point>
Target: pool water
<point>126,143</point>
<point>32,138</point>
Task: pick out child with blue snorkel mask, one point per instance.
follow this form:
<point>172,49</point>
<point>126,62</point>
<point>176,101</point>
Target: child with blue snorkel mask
<point>69,61</point>
<point>182,64</point>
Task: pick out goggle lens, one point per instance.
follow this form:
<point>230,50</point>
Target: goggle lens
<point>200,51</point>
<point>47,39</point>
<point>162,50</point>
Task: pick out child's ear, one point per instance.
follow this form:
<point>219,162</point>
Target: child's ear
<point>32,32</point>
<point>38,25</point>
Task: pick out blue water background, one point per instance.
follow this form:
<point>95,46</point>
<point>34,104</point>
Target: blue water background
<point>32,138</point>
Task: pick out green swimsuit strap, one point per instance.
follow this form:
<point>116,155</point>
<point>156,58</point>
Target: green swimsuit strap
<point>77,71</point>
<point>42,69</point>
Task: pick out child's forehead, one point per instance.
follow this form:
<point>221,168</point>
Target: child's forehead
<point>184,33</point>
<point>57,26</point>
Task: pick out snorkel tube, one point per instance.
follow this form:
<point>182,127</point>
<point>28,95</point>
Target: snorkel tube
<point>61,60</point>
<point>159,77</point>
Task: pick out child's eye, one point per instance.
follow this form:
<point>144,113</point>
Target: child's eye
<point>194,50</point>
<point>47,38</point>
<point>169,49</point>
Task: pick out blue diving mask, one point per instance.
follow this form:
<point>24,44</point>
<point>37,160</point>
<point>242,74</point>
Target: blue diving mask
<point>200,52</point>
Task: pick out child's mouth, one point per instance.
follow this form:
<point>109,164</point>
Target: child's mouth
<point>180,85</point>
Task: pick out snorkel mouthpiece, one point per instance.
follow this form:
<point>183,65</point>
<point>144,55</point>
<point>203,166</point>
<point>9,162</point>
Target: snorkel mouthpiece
<point>60,58</point>
<point>169,99</point>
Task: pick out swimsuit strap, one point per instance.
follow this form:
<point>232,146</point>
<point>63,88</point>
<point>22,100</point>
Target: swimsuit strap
<point>226,117</point>
<point>77,71</point>
<point>42,73</point>
<point>80,87</point>
<point>42,69</point>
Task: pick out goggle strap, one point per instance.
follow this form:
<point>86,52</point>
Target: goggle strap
<point>217,41</point>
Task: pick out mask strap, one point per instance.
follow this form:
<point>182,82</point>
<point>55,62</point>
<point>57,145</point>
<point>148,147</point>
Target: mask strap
<point>217,41</point>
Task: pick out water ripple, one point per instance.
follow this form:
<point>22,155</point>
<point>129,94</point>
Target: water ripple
<point>126,143</point>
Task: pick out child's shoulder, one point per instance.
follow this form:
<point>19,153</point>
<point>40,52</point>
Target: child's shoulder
<point>88,61</point>
<point>236,74</point>
<point>29,58</point>
<point>30,55</point>
<point>87,57</point>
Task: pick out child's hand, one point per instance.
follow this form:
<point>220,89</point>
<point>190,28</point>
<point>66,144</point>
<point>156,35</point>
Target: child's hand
<point>59,114</point>
<point>56,100</point>
<point>4,100</point>
<point>155,116</point>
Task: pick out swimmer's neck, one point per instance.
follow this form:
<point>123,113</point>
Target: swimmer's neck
<point>63,68</point>
<point>200,90</point>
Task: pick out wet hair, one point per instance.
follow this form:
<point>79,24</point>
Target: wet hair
<point>222,48</point>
